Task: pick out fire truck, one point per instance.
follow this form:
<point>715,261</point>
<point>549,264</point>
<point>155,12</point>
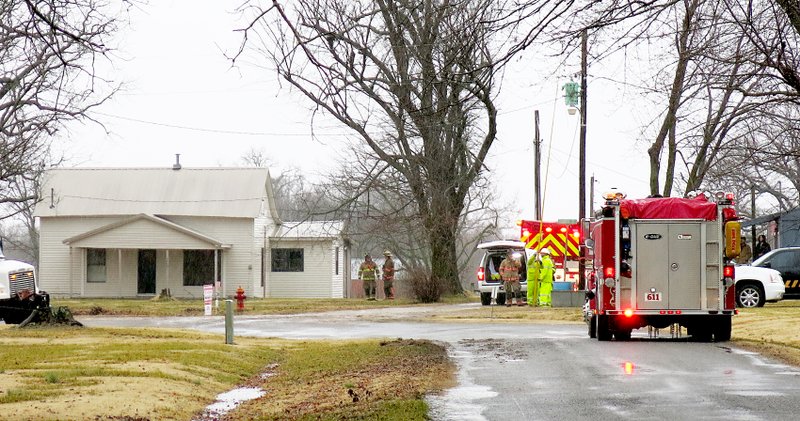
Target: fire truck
<point>562,239</point>
<point>662,262</point>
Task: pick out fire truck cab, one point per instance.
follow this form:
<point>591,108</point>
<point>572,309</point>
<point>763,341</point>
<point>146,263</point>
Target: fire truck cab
<point>658,262</point>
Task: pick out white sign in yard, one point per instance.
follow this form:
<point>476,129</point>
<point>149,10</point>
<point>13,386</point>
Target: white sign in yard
<point>208,295</point>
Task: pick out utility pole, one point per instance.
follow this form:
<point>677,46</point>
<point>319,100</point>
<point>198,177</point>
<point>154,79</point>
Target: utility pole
<point>582,152</point>
<point>537,162</point>
<point>591,196</point>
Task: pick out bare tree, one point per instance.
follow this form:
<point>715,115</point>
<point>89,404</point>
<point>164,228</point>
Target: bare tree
<point>48,53</point>
<point>414,80</point>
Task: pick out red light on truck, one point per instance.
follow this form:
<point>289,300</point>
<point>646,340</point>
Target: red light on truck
<point>563,229</point>
<point>576,234</point>
<point>628,312</point>
<point>548,229</point>
<point>609,272</point>
<point>481,274</point>
<point>727,271</point>
<point>729,196</point>
<point>526,233</point>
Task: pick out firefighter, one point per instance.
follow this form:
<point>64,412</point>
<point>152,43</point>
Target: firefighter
<point>534,267</point>
<point>546,278</point>
<point>509,272</point>
<point>388,275</point>
<point>368,273</point>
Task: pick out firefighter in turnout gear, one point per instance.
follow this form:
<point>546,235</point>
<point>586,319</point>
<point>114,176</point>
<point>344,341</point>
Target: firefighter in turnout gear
<point>534,268</point>
<point>388,275</point>
<point>368,273</point>
<point>509,273</point>
<point>546,278</point>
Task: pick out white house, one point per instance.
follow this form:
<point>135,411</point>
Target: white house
<point>128,232</point>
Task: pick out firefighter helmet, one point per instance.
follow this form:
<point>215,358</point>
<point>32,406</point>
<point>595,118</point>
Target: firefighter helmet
<point>544,250</point>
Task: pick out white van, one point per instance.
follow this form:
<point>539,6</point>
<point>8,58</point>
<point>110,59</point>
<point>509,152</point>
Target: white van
<point>489,281</point>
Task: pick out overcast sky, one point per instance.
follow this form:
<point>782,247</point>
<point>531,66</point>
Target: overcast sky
<point>182,96</point>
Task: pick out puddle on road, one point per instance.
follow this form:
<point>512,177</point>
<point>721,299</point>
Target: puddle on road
<point>459,403</point>
<point>227,401</point>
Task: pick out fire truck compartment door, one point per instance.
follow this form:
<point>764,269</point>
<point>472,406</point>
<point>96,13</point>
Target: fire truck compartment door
<point>668,269</point>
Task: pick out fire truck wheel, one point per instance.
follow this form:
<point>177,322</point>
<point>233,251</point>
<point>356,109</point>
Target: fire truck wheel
<point>749,295</point>
<point>603,332</point>
<point>501,298</point>
<point>700,334</point>
<point>622,335</point>
<point>486,298</point>
<point>722,330</point>
<point>593,327</point>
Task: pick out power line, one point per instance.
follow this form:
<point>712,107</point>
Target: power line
<point>209,130</point>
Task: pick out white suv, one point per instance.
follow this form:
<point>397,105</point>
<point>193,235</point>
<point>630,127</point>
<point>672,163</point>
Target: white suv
<point>757,285</point>
<point>489,269</point>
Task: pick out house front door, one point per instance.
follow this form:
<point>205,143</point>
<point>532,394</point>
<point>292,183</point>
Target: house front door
<point>147,272</point>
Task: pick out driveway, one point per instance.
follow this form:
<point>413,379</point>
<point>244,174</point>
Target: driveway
<point>527,371</point>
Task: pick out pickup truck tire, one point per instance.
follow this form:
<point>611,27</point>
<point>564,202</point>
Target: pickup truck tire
<point>603,332</point>
<point>722,330</point>
<point>749,294</point>
<point>486,298</point>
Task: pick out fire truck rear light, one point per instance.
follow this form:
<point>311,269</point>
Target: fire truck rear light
<point>728,271</point>
<point>736,312</point>
<point>548,229</point>
<point>662,312</point>
<point>677,312</point>
<point>526,233</point>
<point>609,272</point>
<point>669,311</point>
<point>729,196</point>
<point>481,274</point>
<point>563,229</point>
<point>628,312</point>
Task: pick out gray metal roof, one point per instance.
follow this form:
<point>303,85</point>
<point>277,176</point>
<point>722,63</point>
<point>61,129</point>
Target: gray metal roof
<point>310,229</point>
<point>226,192</point>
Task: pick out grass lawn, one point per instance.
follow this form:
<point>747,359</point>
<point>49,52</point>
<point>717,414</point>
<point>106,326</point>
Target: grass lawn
<point>82,373</point>
<point>253,306</point>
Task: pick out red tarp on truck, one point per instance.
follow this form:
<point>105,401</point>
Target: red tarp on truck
<point>669,208</point>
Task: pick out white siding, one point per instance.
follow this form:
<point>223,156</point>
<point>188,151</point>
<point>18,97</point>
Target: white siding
<point>337,280</point>
<point>54,256</point>
<point>238,262</point>
<point>316,279</point>
<point>142,234</point>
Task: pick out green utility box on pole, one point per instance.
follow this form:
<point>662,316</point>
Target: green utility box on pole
<point>572,93</point>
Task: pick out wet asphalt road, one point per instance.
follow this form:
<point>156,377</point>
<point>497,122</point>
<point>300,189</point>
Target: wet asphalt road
<point>526,371</point>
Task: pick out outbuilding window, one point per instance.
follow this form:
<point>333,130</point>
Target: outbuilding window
<point>287,260</point>
<point>96,265</point>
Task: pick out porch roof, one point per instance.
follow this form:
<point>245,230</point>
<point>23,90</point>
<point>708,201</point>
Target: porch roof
<point>145,231</point>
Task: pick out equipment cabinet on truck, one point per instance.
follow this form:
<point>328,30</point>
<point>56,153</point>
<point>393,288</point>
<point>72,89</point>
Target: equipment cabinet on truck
<point>663,261</point>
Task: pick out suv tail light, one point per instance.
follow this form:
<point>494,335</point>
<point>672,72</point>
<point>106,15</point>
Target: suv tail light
<point>481,274</point>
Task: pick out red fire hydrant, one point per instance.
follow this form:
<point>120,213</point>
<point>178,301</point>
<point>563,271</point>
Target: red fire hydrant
<point>240,297</point>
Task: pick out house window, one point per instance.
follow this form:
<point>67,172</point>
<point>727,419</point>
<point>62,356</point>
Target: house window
<point>287,260</point>
<point>96,265</point>
<point>337,260</point>
<point>198,267</point>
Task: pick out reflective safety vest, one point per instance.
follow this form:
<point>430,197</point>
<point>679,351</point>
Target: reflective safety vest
<point>546,273</point>
<point>368,271</point>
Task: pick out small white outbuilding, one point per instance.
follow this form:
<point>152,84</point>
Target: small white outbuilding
<point>133,232</point>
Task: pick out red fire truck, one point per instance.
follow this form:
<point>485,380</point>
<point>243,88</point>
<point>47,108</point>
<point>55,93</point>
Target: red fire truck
<point>562,239</point>
<point>663,261</point>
